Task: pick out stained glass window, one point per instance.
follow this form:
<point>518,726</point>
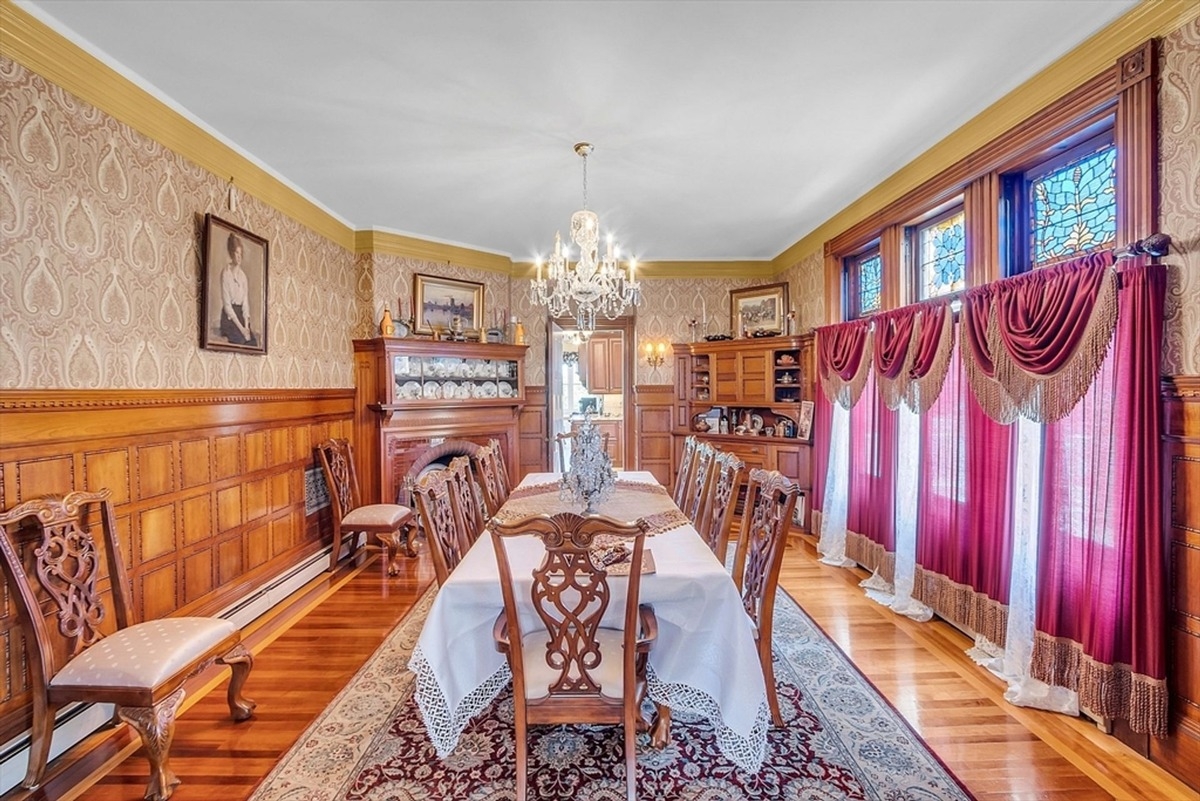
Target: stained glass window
<point>942,257</point>
<point>870,284</point>
<point>1074,209</point>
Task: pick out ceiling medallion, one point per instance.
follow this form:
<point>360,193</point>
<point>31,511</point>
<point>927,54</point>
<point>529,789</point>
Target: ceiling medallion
<point>592,285</point>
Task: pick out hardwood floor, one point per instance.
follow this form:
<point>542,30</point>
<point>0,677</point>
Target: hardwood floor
<point>306,653</point>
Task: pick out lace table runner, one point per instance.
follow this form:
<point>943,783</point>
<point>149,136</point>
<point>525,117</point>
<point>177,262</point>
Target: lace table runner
<point>630,500</point>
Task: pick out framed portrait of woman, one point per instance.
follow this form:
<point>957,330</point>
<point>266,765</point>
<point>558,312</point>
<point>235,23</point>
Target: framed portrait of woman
<point>233,281</point>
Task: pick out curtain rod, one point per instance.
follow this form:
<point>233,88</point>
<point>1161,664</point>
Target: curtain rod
<point>1155,245</point>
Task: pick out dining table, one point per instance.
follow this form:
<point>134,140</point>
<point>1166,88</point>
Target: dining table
<point>703,661</point>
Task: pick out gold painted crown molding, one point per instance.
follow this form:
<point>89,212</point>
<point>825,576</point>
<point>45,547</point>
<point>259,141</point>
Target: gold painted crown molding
<point>389,243</point>
<point>1148,19</point>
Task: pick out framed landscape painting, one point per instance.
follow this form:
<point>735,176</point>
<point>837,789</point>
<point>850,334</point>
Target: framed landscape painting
<point>758,308</point>
<point>438,301</point>
<point>233,288</point>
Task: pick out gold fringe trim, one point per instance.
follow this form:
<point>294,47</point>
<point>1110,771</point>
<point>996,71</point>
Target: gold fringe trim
<point>846,393</point>
<point>962,605</point>
<point>1114,691</point>
<point>993,399</point>
<point>923,392</point>
<point>1046,399</point>
<point>871,555</point>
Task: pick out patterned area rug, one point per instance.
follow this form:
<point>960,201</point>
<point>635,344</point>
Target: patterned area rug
<point>841,740</point>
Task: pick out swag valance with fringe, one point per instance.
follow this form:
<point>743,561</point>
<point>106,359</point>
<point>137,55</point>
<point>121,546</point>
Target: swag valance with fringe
<point>1034,343</point>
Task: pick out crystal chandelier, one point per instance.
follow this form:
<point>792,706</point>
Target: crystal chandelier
<point>592,284</point>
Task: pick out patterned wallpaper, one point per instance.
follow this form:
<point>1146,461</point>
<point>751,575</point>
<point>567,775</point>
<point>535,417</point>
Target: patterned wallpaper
<point>100,261</point>
<point>1179,184</point>
<point>100,255</point>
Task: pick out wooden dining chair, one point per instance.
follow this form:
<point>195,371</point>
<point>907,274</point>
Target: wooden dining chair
<point>684,476</point>
<point>716,514</point>
<point>561,440</point>
<point>575,670</point>
<point>84,644</point>
<point>502,473</point>
<point>389,522</point>
<point>766,518</point>
<point>466,497</point>
<point>441,517</point>
<point>487,469</point>
<point>697,490</point>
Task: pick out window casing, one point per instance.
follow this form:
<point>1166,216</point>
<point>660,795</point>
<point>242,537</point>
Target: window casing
<point>1061,207</point>
<point>864,283</point>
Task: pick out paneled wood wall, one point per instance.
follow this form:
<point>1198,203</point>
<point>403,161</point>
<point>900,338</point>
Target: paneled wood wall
<point>208,488</point>
<point>652,427</point>
<point>1180,752</point>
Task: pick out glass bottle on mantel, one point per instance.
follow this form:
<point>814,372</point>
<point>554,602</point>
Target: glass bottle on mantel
<point>518,331</point>
<point>387,327</point>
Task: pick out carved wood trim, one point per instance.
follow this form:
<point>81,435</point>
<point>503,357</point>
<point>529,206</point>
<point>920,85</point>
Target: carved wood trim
<point>1181,387</point>
<point>1136,66</point>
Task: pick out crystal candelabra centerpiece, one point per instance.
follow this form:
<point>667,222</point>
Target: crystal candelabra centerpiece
<point>589,480</point>
<point>593,285</point>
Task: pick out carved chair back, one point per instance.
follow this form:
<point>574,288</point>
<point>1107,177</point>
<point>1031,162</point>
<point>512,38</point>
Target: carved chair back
<point>561,440</point>
<point>766,518</point>
<point>684,476</point>
<point>717,512</point>
<point>62,564</point>
<point>337,459</point>
<point>698,487</point>
<point>466,497</point>
<point>501,467</point>
<point>567,673</point>
<point>442,519</point>
<point>487,468</point>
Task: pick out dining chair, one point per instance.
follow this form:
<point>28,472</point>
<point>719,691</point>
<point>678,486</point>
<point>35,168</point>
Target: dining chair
<point>574,670</point>
<point>766,518</point>
<point>389,522</point>
<point>466,497</point>
<point>487,469</point>
<point>716,514</point>
<point>506,484</point>
<point>684,476</point>
<point>570,436</point>
<point>694,495</point>
<point>84,643</point>
<point>442,520</point>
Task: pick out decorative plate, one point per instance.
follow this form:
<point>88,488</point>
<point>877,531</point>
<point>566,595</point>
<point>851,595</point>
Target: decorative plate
<point>506,389</point>
<point>410,390</point>
<point>449,389</point>
<point>432,391</point>
<point>756,422</point>
<point>490,390</point>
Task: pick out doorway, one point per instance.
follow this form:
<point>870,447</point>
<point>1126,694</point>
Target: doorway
<point>591,372</point>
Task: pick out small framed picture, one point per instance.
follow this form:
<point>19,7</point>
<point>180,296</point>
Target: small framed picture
<point>758,309</point>
<point>804,424</point>
<point>233,288</point>
<point>444,305</point>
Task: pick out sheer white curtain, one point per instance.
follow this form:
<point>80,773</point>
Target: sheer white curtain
<point>832,544</point>
<point>1012,662</point>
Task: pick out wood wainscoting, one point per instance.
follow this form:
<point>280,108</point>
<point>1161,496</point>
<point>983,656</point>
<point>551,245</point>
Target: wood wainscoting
<point>208,487</point>
<point>1180,752</point>
<point>534,433</point>
<point>652,412</point>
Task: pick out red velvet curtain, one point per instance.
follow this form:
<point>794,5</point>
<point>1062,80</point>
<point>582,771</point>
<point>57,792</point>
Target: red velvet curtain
<point>964,532</point>
<point>1101,601</point>
<point>872,487</point>
<point>843,359</point>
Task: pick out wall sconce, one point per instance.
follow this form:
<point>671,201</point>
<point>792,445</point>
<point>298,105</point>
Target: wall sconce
<point>655,354</point>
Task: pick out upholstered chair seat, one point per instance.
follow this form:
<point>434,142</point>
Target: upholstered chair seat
<point>539,676</point>
<point>377,514</point>
<point>144,656</point>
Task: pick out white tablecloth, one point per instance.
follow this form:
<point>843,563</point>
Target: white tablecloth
<point>704,660</point>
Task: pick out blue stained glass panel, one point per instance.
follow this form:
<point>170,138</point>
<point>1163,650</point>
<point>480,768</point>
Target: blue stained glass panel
<point>870,284</point>
<point>943,257</point>
<point>1074,209</point>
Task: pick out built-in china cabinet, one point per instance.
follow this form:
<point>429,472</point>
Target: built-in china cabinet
<point>414,394</point>
<point>751,396</point>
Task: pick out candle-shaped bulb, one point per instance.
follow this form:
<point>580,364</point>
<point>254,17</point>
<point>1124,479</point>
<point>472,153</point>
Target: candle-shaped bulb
<point>610,246</point>
<point>632,270</point>
<point>539,269</point>
<point>557,244</point>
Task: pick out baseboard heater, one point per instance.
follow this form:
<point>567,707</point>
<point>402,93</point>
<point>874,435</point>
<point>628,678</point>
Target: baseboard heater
<point>74,722</point>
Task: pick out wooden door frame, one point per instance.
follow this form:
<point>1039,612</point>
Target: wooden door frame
<point>626,324</point>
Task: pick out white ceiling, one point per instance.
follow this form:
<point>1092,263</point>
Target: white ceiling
<point>723,130</point>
